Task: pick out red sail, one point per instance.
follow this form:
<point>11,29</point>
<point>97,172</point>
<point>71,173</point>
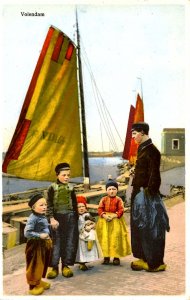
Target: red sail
<point>137,115</point>
<point>127,146</point>
<point>139,110</point>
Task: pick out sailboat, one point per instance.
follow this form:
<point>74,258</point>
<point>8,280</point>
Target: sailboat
<point>49,127</point>
<point>52,125</point>
<point>136,114</point>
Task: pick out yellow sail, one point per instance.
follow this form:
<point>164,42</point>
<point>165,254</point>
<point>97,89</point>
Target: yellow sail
<point>48,130</point>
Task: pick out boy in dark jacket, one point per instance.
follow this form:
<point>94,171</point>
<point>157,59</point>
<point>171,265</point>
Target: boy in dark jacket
<point>63,216</point>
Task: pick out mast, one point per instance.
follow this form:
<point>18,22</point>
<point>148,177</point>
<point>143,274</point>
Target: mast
<point>141,87</point>
<point>83,118</point>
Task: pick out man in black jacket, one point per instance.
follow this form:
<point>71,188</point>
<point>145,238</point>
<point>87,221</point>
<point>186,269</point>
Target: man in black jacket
<point>148,249</point>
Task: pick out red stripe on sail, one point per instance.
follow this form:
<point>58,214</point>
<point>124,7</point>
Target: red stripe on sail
<point>21,121</point>
<point>126,150</point>
<point>14,151</point>
<point>33,81</point>
<point>36,74</point>
<point>57,49</point>
<point>69,51</point>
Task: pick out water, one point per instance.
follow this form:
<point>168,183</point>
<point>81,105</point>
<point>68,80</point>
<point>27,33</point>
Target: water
<point>100,168</point>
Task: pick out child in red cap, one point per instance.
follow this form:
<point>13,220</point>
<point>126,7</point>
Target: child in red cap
<point>88,247</point>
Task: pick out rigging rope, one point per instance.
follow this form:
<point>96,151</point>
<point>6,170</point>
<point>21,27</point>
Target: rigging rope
<point>105,121</point>
<point>102,109</point>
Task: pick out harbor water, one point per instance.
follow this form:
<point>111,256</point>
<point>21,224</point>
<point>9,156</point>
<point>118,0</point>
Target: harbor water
<point>99,167</point>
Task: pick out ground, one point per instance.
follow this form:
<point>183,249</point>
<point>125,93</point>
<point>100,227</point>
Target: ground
<point>112,280</point>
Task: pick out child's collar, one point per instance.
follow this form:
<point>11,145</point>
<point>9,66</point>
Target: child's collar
<point>37,214</point>
<point>59,182</point>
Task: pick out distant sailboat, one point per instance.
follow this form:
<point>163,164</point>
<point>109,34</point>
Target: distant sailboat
<point>136,114</point>
<point>49,127</point>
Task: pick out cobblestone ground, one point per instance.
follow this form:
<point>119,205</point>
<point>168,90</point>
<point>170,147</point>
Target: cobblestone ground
<point>104,280</point>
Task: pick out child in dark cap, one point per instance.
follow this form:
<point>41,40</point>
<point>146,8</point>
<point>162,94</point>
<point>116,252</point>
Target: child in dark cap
<point>38,245</point>
<point>63,215</point>
<point>111,227</point>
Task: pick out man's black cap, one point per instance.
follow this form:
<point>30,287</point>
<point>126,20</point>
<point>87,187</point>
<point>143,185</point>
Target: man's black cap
<point>140,126</point>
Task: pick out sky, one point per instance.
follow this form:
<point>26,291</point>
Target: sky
<point>131,47</point>
<point>123,41</point>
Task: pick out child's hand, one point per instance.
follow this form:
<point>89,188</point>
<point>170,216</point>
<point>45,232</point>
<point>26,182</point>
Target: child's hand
<point>44,236</point>
<point>107,217</point>
<point>110,218</point>
<point>54,223</point>
<point>88,228</point>
<point>114,216</point>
